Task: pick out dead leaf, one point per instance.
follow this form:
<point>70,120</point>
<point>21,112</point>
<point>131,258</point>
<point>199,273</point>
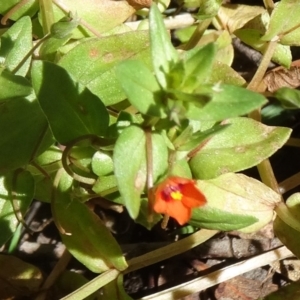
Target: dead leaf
<point>282,77</point>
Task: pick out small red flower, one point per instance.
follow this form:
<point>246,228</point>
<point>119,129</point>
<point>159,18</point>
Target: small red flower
<point>176,197</point>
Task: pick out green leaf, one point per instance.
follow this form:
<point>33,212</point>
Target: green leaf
<point>105,185</point>
<point>141,88</point>
<point>163,53</point>
<point>290,291</point>
<point>130,165</point>
<point>13,86</point>
<point>227,101</point>
<point>71,110</point>
<point>17,186</point>
<point>225,74</point>
<point>94,61</point>
<point>217,219</point>
<point>198,137</point>
<point>289,98</point>
<point>288,235</point>
<point>90,241</point>
<point>18,279</point>
<point>236,194</point>
<point>16,42</point>
<point>114,290</point>
<point>102,15</point>
<point>208,9</point>
<point>69,281</point>
<point>252,37</point>
<point>28,136</point>
<point>129,156</point>
<point>197,67</point>
<point>284,23</point>
<point>102,163</point>
<point>29,8</point>
<point>242,145</point>
<point>64,27</point>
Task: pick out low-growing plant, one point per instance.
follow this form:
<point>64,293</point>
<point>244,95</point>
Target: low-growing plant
<point>127,118</point>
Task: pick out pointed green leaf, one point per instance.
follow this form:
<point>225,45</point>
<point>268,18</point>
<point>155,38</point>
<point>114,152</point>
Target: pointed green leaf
<point>163,53</point>
<point>16,42</point>
<point>71,109</point>
<point>217,219</point>
<point>197,67</point>
<point>129,156</point>
<point>17,186</point>
<point>235,194</point>
<point>141,87</point>
<point>90,241</point>
<point>227,101</point>
<point>130,165</point>
<point>13,86</point>
<point>242,145</point>
<point>93,62</point>
<point>287,28</point>
<point>28,132</point>
<point>252,37</point>
<point>289,98</point>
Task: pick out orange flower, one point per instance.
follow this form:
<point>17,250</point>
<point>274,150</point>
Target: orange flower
<point>176,197</point>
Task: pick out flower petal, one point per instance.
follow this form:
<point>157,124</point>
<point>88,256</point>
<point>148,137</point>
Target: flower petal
<point>192,197</point>
<point>174,209</point>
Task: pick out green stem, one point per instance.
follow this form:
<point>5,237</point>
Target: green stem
<point>269,5</point>
<point>258,77</point>
<point>93,285</point>
<point>46,10</point>
<point>168,251</point>
<point>53,199</point>
<point>286,216</point>
<point>65,160</point>
<point>12,11</point>
<point>197,35</point>
<point>267,175</point>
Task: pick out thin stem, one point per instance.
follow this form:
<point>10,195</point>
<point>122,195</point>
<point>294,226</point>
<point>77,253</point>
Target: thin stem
<point>197,35</point>
<point>57,270</point>
<point>93,285</point>
<point>267,175</point>
<point>294,142</point>
<point>258,77</point>
<point>53,199</point>
<point>27,56</point>
<point>66,10</point>
<point>46,11</point>
<point>149,158</point>
<point>171,250</point>
<point>14,201</point>
<point>65,160</point>
<point>284,213</point>
<point>12,11</point>
<point>269,5</point>
<point>289,183</point>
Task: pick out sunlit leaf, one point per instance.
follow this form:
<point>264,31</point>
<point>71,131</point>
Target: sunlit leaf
<point>235,194</point>
<point>163,52</point>
<point>90,241</point>
<point>18,188</point>
<point>16,42</point>
<point>93,62</point>
<point>243,144</point>
<point>67,104</point>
